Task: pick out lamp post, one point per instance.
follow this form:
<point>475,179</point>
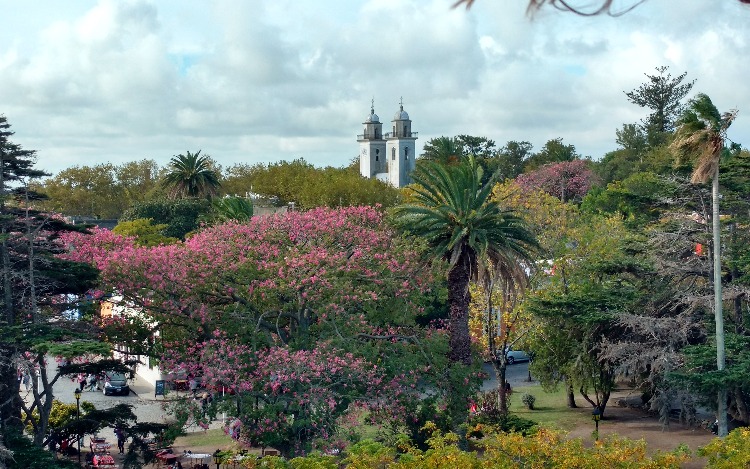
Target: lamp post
<point>217,458</point>
<point>597,415</point>
<point>78,422</point>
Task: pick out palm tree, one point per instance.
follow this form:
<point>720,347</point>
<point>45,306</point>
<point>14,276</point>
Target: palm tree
<point>451,209</point>
<point>232,208</point>
<point>191,175</point>
<point>701,135</point>
<point>443,150</point>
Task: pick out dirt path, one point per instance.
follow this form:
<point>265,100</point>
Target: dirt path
<point>637,424</point>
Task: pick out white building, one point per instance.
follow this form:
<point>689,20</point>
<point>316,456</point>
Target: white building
<point>147,368</point>
<point>389,157</point>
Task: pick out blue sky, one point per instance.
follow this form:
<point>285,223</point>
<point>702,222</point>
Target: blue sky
<point>89,82</point>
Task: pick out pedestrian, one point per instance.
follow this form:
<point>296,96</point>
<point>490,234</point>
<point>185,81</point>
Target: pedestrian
<point>121,438</point>
<point>53,443</point>
<point>82,381</point>
<point>193,385</point>
<point>91,381</point>
<point>27,380</point>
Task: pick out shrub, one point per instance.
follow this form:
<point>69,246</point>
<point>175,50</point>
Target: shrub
<point>528,400</point>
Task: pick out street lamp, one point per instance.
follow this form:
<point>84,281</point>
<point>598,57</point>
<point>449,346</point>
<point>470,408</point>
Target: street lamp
<point>217,458</point>
<point>78,422</point>
<point>597,415</point>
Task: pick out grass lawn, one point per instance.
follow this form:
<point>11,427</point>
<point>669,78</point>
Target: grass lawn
<point>215,438</point>
<point>550,409</point>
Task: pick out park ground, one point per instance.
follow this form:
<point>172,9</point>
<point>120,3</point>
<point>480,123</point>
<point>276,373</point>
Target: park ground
<point>550,410</point>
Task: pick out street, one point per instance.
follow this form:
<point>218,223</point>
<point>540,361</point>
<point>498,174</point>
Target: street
<point>516,375</point>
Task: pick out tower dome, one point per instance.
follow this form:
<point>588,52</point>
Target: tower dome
<point>401,115</point>
<point>372,118</point>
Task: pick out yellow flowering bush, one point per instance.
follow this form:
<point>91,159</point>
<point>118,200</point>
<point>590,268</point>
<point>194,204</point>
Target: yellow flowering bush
<point>730,452</point>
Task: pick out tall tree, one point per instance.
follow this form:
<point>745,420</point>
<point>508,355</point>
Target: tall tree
<point>191,175</point>
<point>512,157</point>
<point>36,290</point>
<point>444,150</point>
<point>663,95</point>
<point>100,191</point>
<point>453,211</point>
<point>701,136</point>
<point>554,151</point>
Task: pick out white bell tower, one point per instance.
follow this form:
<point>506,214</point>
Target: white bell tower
<point>401,149</point>
<point>372,161</point>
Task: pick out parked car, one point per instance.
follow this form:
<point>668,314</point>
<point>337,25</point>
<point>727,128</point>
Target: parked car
<point>516,356</point>
<point>115,384</point>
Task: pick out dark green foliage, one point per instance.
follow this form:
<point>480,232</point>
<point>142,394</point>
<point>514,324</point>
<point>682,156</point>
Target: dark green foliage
<point>191,175</point>
<point>488,412</point>
<point>452,211</point>
<point>426,410</point>
<point>511,158</point>
<point>638,198</point>
<point>662,94</point>
<point>181,216</point>
<point>27,455</point>
<point>701,377</point>
<point>554,151</point>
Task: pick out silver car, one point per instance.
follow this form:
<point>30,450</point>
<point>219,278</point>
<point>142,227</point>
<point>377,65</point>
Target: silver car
<point>516,356</point>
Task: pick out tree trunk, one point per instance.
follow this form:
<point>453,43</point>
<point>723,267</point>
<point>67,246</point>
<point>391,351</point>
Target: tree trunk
<point>570,394</point>
<point>721,410</point>
<point>10,400</point>
<point>458,299</point>
<point>500,366</point>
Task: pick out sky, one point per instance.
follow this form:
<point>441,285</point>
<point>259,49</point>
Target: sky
<point>86,82</point>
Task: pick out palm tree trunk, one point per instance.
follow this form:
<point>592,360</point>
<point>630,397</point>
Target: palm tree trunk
<point>458,299</point>
<point>721,410</point>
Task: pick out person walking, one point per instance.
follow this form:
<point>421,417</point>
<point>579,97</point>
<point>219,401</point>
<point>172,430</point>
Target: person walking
<point>27,380</point>
<point>193,385</point>
<point>82,382</point>
<point>121,438</point>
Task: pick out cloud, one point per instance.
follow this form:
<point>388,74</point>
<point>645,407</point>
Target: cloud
<point>261,81</point>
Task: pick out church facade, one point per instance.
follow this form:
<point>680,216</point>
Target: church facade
<point>391,156</point>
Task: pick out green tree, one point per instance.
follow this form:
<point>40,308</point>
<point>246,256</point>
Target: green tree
<point>181,216</point>
<point>37,289</point>
<point>512,157</point>
<point>191,175</point>
<point>627,159</point>
<point>307,186</point>
<point>701,137</point>
<point>593,277</point>
<point>231,208</point>
<point>452,210</point>
<point>443,150</point>
<point>662,94</point>
<point>144,232</point>
<point>100,191</point>
<point>554,151</point>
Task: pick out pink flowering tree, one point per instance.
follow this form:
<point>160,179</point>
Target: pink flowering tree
<point>567,180</point>
<point>302,316</point>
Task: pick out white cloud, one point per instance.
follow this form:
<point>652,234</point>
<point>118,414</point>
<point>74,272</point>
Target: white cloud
<point>267,80</point>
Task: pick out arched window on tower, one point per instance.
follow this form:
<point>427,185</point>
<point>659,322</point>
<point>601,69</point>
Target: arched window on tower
<point>406,154</point>
<point>406,131</point>
<point>393,153</point>
<point>377,154</point>
<point>377,133</point>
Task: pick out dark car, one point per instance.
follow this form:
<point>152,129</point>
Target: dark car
<point>115,384</point>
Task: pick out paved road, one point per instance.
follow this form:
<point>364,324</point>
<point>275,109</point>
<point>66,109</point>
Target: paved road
<point>148,409</point>
<point>64,391</point>
<point>516,374</point>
